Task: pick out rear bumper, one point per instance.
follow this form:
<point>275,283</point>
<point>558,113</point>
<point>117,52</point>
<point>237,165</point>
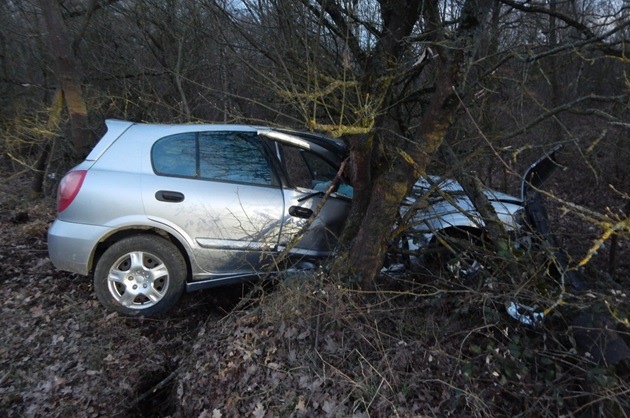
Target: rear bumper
<point>71,245</point>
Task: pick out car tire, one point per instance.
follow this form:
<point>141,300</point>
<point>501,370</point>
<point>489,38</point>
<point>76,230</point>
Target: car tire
<point>140,276</point>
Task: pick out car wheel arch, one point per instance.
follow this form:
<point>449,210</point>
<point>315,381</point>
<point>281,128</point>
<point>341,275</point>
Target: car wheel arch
<point>120,234</point>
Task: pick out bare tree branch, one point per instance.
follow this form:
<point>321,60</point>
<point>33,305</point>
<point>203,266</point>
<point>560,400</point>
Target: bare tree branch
<point>590,36</point>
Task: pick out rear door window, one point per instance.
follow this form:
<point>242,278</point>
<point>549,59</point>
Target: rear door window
<point>175,156</point>
<point>225,156</point>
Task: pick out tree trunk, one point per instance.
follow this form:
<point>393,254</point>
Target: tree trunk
<point>360,176</point>
<point>54,115</point>
<point>369,248</point>
<point>68,74</point>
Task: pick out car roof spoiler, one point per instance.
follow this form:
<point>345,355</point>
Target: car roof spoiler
<point>540,171</point>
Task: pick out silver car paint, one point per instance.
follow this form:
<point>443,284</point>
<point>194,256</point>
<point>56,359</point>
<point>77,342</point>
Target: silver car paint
<point>448,206</point>
<point>226,225</point>
<point>226,228</point>
<point>115,128</point>
<point>321,237</point>
<point>71,245</point>
<point>460,212</point>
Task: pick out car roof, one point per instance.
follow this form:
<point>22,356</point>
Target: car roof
<point>116,128</point>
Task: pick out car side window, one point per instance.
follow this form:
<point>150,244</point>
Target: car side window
<point>307,169</point>
<point>225,156</point>
<point>298,172</point>
<point>319,168</point>
<point>175,156</point>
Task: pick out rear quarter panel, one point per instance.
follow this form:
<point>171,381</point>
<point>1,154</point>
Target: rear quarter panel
<point>105,196</point>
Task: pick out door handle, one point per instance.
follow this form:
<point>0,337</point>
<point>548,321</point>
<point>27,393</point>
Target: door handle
<point>169,196</point>
<point>300,212</point>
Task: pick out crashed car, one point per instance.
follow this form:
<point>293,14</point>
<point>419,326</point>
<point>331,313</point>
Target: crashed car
<point>156,210</point>
<point>446,225</point>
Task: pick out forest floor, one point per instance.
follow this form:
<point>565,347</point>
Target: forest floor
<point>415,346</point>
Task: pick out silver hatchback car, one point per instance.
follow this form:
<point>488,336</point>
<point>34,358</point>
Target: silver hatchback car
<point>155,210</point>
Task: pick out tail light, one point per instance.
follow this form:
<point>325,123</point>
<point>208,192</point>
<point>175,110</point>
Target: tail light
<point>69,188</point>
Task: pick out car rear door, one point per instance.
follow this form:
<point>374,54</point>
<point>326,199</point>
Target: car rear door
<point>220,193</point>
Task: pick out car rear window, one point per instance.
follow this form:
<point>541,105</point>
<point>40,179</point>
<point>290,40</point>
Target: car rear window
<point>225,156</point>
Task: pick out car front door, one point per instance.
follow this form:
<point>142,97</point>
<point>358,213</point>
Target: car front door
<point>307,175</point>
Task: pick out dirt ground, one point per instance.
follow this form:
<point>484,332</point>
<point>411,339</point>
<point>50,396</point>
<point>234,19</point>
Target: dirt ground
<point>416,346</point>
<point>61,353</point>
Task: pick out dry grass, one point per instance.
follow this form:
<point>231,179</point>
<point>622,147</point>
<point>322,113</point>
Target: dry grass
<point>407,349</point>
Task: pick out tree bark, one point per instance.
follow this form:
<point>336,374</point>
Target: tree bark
<point>360,174</point>
<point>54,115</point>
<point>370,246</point>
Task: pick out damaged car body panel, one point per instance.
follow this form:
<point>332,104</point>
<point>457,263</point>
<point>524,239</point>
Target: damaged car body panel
<point>447,206</point>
